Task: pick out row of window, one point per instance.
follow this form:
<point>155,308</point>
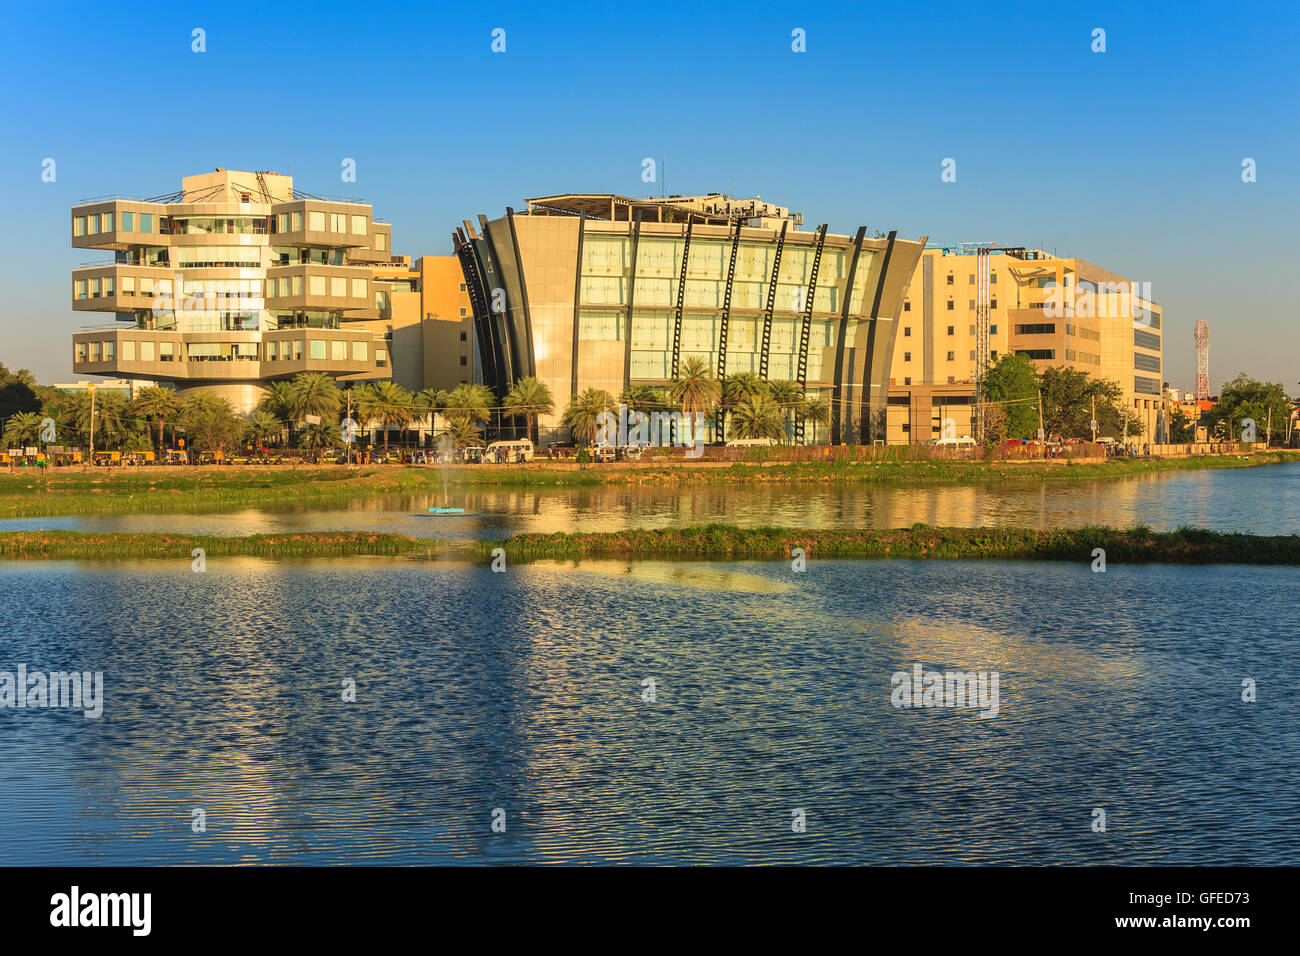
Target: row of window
<point>993,278</point>
<point>94,224</point>
<point>334,350</point>
<point>952,306</point>
<point>339,287</point>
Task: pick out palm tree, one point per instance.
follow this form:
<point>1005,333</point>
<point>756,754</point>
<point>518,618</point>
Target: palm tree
<point>742,386</point>
<point>469,403</point>
<point>759,417</point>
<point>157,403</point>
<point>582,414</point>
<point>696,390</point>
<point>314,393</point>
<point>462,433</point>
<point>263,426</point>
<point>389,404</point>
<point>23,429</point>
<point>788,396</point>
<point>318,435</point>
<point>817,411</point>
<point>643,398</point>
<point>529,398</point>
<point>277,401</point>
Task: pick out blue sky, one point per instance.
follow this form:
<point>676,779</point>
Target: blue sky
<point>1129,158</point>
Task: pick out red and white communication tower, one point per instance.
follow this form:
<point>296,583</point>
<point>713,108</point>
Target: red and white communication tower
<point>1202,330</point>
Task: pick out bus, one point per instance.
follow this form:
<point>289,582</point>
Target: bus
<point>520,449</point>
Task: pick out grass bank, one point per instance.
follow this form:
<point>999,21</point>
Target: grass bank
<point>25,493</point>
<point>715,541</point>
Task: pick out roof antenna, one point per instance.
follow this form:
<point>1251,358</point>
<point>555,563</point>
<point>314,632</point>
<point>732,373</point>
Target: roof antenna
<point>663,176</point>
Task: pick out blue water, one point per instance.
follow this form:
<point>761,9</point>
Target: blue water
<point>1263,500</point>
<point>523,691</point>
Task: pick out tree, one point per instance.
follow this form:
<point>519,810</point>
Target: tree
<point>643,398</point>
<point>759,417</point>
<point>317,435</point>
<point>696,390</point>
<point>157,404</point>
<point>23,429</point>
<point>1181,427</point>
<point>789,397</point>
<point>210,424</point>
<point>263,427</point>
<point>1068,396</point>
<point>529,398</point>
<point>1245,398</point>
<point>818,412</point>
<point>462,433</point>
<point>1012,384</point>
<point>113,423</point>
<point>316,394</point>
<point>582,414</point>
<point>468,404</point>
<point>388,403</point>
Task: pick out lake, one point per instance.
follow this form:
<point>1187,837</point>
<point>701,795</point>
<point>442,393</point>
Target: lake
<point>524,692</point>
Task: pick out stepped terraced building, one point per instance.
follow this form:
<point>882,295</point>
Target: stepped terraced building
<point>605,291</point>
<point>236,280</point>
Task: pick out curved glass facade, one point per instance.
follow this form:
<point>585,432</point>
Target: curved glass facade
<point>594,303</point>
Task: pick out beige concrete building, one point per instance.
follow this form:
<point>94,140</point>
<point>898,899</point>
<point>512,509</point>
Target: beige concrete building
<point>236,280</point>
<point>1063,312</point>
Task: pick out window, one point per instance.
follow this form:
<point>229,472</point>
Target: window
<point>94,351</point>
<point>166,351</point>
<point>950,279</point>
<point>993,330</point>
<point>79,227</point>
<point>972,330</point>
<point>462,287</point>
<point>79,352</point>
<point>338,287</point>
<point>108,222</point>
<point>1038,354</point>
<point>338,222</point>
<point>952,330</point>
<point>297,286</point>
<point>339,350</point>
<point>297,221</point>
<point>993,278</point>
<point>317,349</point>
<point>316,222</point>
<point>128,222</point>
<point>358,225</point>
<point>464,337</point>
<point>907,356</point>
<point>972,305</point>
<point>1146,340</point>
<point>463,360</point>
<point>462,312</point>
<point>94,224</point>
<point>360,352</point>
<point>972,355</point>
<point>146,285</point>
<point>110,351</point>
<point>952,356</point>
<point>315,285</point>
<point>94,288</point>
<point>993,303</point>
<point>950,305</point>
<point>1037,328</point>
<point>381,242</point>
<point>906,381</point>
<point>80,286</point>
<point>971,279</point>
<point>128,350</point>
<point>297,349</point>
<point>1146,363</point>
<point>907,306</point>
<point>146,351</point>
<point>907,331</point>
<point>381,358</point>
<point>146,222</point>
<point>358,288</point>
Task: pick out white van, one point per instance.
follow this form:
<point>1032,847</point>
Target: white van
<point>510,451</point>
<point>752,443</point>
<point>965,441</point>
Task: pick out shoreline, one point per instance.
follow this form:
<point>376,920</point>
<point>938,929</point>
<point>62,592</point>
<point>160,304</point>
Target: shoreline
<point>704,542</point>
<point>31,494</point>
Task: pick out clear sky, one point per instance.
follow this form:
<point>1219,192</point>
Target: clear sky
<point>1129,158</point>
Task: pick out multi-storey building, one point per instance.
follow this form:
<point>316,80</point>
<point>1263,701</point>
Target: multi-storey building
<point>1062,312</point>
<point>236,280</point>
<point>605,291</point>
